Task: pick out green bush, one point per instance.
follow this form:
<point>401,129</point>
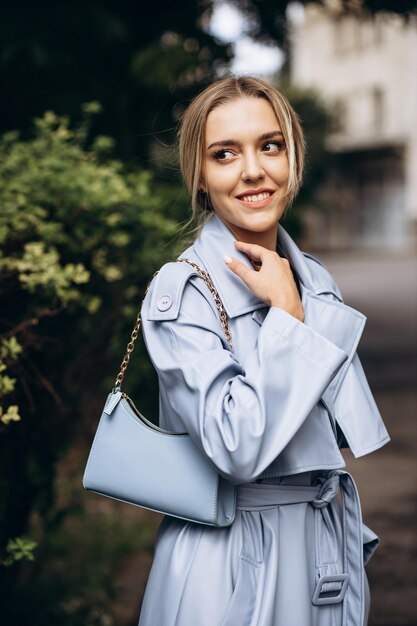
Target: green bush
<point>81,234</point>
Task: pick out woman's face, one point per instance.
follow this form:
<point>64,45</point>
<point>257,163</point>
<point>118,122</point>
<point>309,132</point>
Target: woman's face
<point>245,166</point>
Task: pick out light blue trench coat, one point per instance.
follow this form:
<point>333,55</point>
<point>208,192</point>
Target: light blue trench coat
<point>272,413</point>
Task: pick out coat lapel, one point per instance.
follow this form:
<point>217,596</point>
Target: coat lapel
<point>214,242</point>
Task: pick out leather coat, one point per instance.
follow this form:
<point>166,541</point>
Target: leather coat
<point>274,410</point>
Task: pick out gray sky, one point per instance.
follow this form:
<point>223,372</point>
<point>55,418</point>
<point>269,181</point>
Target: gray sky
<point>229,26</point>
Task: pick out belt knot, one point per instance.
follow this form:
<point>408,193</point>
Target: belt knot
<point>327,492</point>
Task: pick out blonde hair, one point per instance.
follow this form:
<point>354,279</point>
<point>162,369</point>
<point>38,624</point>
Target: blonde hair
<point>192,127</point>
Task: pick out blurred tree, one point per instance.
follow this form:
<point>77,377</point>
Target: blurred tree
<point>138,58</point>
<point>79,231</point>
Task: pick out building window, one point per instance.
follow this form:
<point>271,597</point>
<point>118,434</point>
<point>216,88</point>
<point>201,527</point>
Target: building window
<point>340,116</point>
<point>378,108</point>
<point>345,35</point>
<point>352,34</point>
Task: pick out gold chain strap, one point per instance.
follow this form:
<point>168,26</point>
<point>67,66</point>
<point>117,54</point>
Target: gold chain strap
<point>219,304</point>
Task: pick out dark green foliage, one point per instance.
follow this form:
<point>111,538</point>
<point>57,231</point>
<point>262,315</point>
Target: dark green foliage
<point>139,59</point>
<point>81,235</point>
<point>76,571</point>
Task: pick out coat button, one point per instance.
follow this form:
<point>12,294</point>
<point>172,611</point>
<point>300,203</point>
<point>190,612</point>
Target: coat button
<point>164,303</point>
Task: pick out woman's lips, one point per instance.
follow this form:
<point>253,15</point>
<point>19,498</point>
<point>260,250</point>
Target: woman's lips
<point>255,204</point>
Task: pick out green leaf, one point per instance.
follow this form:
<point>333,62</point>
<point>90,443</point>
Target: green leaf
<point>11,415</point>
<point>18,549</point>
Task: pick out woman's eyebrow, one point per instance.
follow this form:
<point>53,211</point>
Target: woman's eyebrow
<point>234,142</point>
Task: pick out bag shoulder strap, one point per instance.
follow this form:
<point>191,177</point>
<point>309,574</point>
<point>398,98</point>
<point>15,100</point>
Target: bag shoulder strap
<point>219,305</point>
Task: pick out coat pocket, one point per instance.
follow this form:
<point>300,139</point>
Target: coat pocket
<point>242,603</point>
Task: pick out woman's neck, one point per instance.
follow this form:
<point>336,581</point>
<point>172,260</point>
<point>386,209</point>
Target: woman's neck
<point>266,239</point>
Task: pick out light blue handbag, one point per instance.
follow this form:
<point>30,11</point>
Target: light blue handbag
<point>134,461</point>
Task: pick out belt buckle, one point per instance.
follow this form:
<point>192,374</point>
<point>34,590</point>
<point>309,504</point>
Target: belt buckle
<point>330,597</point>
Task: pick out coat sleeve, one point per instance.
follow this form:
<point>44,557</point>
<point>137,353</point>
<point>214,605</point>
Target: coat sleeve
<point>241,415</point>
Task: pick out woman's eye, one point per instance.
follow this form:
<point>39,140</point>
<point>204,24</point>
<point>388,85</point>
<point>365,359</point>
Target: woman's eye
<point>274,146</point>
<point>223,155</point>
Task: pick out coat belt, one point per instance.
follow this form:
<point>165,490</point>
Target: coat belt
<point>333,586</point>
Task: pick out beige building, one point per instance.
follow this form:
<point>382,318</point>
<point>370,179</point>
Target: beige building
<point>367,71</point>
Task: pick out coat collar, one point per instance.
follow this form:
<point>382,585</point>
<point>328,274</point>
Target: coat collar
<point>216,240</point>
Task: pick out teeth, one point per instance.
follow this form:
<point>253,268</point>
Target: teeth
<point>257,198</point>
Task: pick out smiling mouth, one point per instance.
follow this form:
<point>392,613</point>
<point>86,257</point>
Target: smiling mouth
<point>256,197</point>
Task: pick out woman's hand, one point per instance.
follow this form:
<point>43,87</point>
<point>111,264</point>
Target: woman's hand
<point>273,282</point>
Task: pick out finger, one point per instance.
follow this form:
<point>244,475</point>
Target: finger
<point>257,252</point>
<point>239,268</point>
<point>253,250</point>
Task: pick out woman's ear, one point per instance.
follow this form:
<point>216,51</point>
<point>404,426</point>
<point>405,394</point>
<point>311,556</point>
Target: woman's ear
<point>204,198</point>
<point>201,186</point>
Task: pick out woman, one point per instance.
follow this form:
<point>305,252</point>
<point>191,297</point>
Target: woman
<point>272,414</point>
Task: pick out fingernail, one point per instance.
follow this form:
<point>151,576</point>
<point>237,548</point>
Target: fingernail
<point>227,259</point>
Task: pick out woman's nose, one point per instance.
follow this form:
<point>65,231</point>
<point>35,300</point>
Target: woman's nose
<point>252,168</point>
